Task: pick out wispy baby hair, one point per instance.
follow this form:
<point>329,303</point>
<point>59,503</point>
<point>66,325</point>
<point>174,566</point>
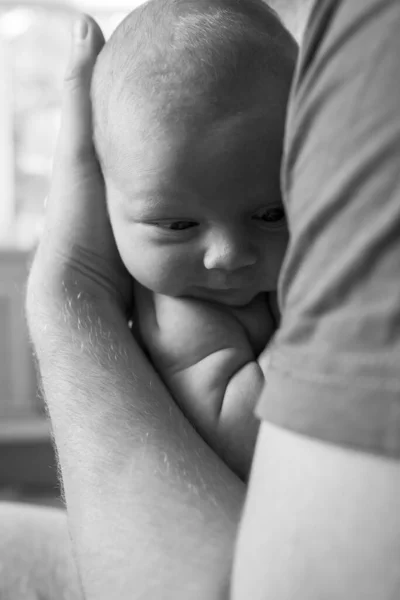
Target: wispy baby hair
<point>173,62</point>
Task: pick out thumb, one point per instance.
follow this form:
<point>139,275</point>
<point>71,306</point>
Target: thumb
<point>75,139</point>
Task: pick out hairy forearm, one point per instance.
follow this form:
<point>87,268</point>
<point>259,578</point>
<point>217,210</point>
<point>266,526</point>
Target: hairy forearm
<point>153,512</point>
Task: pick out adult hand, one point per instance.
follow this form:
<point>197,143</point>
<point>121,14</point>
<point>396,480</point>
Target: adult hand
<point>77,250</point>
<point>128,458</point>
<point>77,255</point>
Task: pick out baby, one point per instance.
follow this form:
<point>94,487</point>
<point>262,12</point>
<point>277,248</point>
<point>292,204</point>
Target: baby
<point>189,102</point>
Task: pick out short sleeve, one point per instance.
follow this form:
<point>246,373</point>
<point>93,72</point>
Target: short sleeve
<point>334,370</point>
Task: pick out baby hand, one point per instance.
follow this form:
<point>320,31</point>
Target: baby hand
<point>206,355</point>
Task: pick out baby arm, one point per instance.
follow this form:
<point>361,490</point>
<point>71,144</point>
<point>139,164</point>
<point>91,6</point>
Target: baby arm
<point>207,356</point>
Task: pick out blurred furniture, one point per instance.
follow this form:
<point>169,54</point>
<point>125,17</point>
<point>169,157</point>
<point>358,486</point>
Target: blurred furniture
<point>34,43</point>
<point>26,452</point>
<point>18,389</point>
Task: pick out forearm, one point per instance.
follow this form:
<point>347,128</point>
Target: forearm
<point>153,512</point>
<point>320,521</point>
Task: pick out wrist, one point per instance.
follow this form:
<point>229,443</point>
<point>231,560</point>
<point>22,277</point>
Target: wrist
<point>58,308</point>
<point>61,291</point>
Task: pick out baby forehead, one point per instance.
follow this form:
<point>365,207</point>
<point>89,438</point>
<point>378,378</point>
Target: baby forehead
<point>171,173</point>
<point>175,200</point>
<point>211,168</point>
<point>144,135</point>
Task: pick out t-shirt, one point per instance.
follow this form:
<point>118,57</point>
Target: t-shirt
<point>334,369</point>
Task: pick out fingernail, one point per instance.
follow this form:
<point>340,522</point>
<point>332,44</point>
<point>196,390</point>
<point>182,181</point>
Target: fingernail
<point>80,29</point>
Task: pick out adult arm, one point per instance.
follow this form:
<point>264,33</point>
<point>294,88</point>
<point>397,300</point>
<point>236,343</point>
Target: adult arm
<point>320,521</point>
<point>152,510</point>
<point>321,517</point>
<point>297,482</point>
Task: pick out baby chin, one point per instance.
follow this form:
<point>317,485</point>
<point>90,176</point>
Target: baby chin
<point>229,297</point>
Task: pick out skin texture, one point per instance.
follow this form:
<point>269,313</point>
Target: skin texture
<point>202,216</point>
<point>196,208</point>
<point>212,361</point>
<point>205,220</point>
<point>79,298</point>
<point>152,511</point>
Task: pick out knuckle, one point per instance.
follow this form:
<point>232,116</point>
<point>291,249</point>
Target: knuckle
<point>73,77</point>
<point>76,72</point>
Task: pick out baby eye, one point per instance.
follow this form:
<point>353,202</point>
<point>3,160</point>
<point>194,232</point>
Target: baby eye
<point>271,215</point>
<point>177,225</point>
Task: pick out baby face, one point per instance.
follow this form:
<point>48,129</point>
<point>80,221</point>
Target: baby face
<point>200,215</point>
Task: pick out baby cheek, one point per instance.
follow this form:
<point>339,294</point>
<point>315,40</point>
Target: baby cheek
<point>174,273</point>
<point>148,268</point>
<point>159,270</point>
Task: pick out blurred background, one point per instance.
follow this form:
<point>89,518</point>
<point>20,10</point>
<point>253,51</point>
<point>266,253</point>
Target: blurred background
<point>34,46</point>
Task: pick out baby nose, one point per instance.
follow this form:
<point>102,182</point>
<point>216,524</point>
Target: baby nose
<point>230,252</point>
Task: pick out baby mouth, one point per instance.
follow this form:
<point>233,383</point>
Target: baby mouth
<point>224,287</point>
<point>231,296</point>
<point>225,284</point>
<point>226,294</point>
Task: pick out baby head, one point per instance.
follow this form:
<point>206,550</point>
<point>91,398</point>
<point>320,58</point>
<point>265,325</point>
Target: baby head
<point>189,102</point>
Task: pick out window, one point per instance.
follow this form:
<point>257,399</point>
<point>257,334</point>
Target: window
<point>34,46</point>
